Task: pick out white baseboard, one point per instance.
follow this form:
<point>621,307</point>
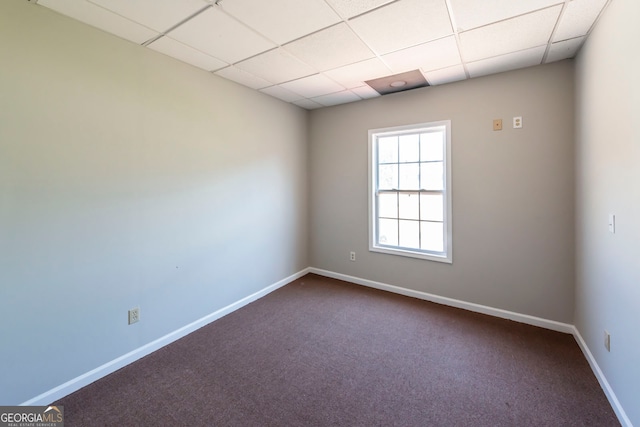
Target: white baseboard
<point>496,312</point>
<point>611,396</point>
<point>83,380</point>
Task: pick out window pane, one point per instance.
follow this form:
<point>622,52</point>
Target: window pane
<point>431,146</point>
<point>388,205</point>
<point>409,205</point>
<point>432,236</point>
<point>409,191</point>
<point>409,178</point>
<point>431,176</point>
<point>387,177</point>
<point>388,232</point>
<point>388,150</point>
<point>410,148</point>
<point>410,234</point>
<point>431,207</point>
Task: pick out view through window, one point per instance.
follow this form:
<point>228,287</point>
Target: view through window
<point>410,191</point>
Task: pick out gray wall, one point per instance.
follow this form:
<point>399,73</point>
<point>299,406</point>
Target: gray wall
<point>608,182</point>
<point>130,179</point>
<point>513,203</point>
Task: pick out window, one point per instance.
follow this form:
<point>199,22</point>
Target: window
<point>410,191</point>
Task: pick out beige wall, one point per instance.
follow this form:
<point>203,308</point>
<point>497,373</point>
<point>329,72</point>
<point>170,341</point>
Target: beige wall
<point>513,191</point>
<point>608,182</point>
<point>130,179</point>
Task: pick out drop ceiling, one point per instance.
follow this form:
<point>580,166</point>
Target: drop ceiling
<point>319,53</point>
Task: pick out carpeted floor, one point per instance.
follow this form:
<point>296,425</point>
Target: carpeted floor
<point>321,352</point>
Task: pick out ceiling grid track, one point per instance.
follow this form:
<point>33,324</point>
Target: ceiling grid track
<point>323,52</point>
<point>456,34</point>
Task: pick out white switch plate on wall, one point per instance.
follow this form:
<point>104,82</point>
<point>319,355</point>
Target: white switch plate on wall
<point>612,223</point>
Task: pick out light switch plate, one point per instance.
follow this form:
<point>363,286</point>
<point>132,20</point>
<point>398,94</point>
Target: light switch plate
<point>612,223</point>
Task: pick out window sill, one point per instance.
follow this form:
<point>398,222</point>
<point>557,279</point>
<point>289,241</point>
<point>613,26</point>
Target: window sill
<point>412,254</point>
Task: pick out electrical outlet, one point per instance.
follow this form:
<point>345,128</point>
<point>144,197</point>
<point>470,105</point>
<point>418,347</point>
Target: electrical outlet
<point>134,315</point>
<point>352,256</point>
<point>607,340</point>
<point>517,122</point>
<point>497,124</point>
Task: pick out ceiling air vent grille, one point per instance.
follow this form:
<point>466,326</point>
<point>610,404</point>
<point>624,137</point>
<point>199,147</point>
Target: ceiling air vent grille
<point>398,82</point>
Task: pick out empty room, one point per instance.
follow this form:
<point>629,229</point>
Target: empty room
<point>320,212</point>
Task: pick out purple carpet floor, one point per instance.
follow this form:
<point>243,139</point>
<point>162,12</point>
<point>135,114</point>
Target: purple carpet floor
<point>322,352</point>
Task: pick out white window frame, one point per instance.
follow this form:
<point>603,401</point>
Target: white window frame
<point>446,255</point>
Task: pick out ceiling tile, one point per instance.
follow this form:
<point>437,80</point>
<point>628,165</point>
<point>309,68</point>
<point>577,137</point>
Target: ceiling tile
<point>283,20</point>
<point>351,8</point>
<point>165,13</point>
<point>354,75</point>
<point>564,49</point>
<point>276,66</point>
<point>403,24</point>
<point>365,92</point>
<point>337,98</point>
<point>515,34</point>
<point>511,61</point>
<point>239,76</point>
<point>446,75</point>
<point>309,51</point>
<point>470,14</point>
<point>578,18</point>
<point>100,18</point>
<point>282,93</point>
<point>217,34</point>
<point>187,54</point>
<point>312,86</point>
<point>428,56</point>
<point>307,104</point>
<point>330,48</point>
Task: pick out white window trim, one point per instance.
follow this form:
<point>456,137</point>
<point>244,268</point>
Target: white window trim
<point>447,254</point>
